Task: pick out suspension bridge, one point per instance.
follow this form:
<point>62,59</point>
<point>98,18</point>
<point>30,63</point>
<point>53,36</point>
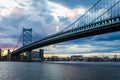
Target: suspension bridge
<point>103,17</point>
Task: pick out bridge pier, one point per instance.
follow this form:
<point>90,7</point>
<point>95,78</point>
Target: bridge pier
<point>29,56</point>
<point>15,58</point>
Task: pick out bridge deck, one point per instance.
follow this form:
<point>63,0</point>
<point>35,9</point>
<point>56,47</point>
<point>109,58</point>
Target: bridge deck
<point>99,27</point>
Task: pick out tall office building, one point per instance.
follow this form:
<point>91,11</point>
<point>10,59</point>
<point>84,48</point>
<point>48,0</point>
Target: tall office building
<point>41,54</point>
<point>37,56</point>
<point>8,55</point>
<point>0,53</point>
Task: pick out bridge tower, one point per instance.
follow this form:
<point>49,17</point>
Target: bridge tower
<point>27,36</point>
<point>27,39</point>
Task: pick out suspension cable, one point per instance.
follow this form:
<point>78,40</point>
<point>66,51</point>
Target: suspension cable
<point>106,11</point>
<point>18,41</point>
<point>82,15</point>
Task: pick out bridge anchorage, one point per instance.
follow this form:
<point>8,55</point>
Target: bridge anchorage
<point>103,17</point>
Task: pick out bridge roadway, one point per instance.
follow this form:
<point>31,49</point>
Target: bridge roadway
<point>100,27</point>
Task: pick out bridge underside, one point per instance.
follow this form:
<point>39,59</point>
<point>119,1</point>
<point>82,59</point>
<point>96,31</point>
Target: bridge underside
<point>93,32</point>
<point>88,33</point>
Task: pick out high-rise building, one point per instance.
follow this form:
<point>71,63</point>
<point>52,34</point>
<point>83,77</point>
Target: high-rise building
<point>41,54</point>
<point>0,53</point>
<point>8,55</point>
<point>37,56</point>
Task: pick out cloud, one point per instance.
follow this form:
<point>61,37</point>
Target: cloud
<point>107,37</point>
<point>47,17</point>
<point>68,49</point>
<point>84,48</point>
<point>57,10</point>
<point>76,3</point>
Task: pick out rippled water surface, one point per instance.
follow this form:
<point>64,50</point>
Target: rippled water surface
<point>59,71</point>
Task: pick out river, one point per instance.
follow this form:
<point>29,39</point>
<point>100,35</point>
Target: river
<point>60,70</point>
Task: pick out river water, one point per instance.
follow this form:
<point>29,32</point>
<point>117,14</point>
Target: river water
<point>60,71</point>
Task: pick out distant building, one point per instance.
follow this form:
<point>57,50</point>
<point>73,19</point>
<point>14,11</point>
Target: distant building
<point>115,56</point>
<point>106,58</point>
<point>37,56</point>
<point>93,59</point>
<point>54,58</point>
<point>8,55</point>
<point>77,57</point>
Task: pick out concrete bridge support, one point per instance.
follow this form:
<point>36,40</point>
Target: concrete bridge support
<point>15,58</point>
<point>29,56</point>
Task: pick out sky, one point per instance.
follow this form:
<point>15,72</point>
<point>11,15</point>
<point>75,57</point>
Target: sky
<point>47,17</point>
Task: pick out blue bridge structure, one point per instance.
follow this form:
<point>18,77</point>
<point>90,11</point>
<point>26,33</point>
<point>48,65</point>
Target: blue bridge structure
<point>103,17</point>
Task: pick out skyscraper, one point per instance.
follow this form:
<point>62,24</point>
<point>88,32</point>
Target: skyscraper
<point>8,55</point>
<point>41,54</point>
<point>0,53</point>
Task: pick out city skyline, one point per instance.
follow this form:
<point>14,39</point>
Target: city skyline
<point>48,17</point>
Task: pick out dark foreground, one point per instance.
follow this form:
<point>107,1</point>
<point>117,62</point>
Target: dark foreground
<point>60,71</point>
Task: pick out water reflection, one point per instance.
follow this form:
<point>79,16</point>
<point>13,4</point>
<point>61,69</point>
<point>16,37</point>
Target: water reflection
<point>59,71</point>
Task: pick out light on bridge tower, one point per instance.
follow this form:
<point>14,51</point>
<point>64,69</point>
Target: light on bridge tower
<point>27,36</point>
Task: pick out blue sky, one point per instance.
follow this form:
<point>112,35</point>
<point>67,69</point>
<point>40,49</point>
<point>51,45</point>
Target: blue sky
<point>47,17</point>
